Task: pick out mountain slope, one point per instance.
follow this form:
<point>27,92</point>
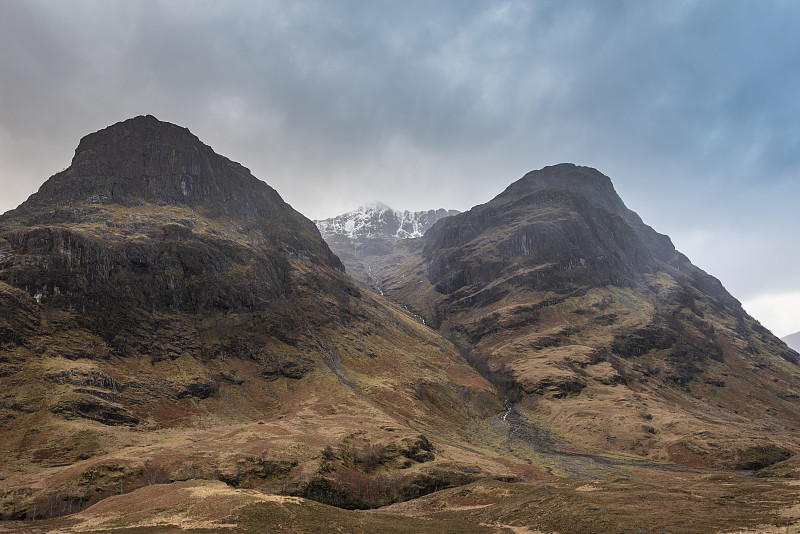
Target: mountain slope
<point>603,331</point>
<point>154,288</point>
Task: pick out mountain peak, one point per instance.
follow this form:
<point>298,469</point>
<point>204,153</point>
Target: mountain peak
<point>587,181</point>
<point>377,220</point>
<point>597,189</point>
<point>130,135</point>
<point>143,160</point>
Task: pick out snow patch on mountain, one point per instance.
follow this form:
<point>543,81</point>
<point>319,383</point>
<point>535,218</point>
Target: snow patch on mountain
<point>378,220</point>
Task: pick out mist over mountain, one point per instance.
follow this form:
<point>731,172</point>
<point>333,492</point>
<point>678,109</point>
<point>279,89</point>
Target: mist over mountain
<point>793,340</point>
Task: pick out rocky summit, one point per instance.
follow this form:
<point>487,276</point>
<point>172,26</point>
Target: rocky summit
<point>148,214</point>
<point>181,350</point>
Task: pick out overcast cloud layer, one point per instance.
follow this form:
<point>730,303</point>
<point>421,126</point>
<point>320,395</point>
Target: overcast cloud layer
<point>691,107</point>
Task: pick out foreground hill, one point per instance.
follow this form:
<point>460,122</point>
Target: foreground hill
<point>155,287</point>
<point>602,331</point>
<point>687,504</point>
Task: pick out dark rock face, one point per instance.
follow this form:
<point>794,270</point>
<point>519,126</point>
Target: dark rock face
<point>564,224</point>
<point>94,379</point>
<point>202,388</point>
<point>272,366</point>
<point>594,186</point>
<point>591,247</point>
<point>160,271</point>
<point>18,316</point>
<point>143,160</point>
<point>68,239</point>
<point>153,247</point>
<point>94,408</point>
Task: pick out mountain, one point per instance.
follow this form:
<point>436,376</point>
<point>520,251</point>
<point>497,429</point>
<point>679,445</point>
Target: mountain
<point>597,328</point>
<point>381,221</point>
<point>181,350</point>
<point>157,302</point>
<point>374,231</point>
<point>793,340</point>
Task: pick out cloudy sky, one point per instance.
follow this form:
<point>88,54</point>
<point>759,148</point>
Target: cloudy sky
<point>691,107</point>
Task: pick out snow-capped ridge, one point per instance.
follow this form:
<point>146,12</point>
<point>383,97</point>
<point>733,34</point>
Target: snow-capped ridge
<point>377,220</point>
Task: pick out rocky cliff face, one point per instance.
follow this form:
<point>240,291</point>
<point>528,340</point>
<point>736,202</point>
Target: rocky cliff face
<point>147,201</point>
<point>146,161</point>
<point>381,222</point>
<point>565,218</point>
<point>593,246</point>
